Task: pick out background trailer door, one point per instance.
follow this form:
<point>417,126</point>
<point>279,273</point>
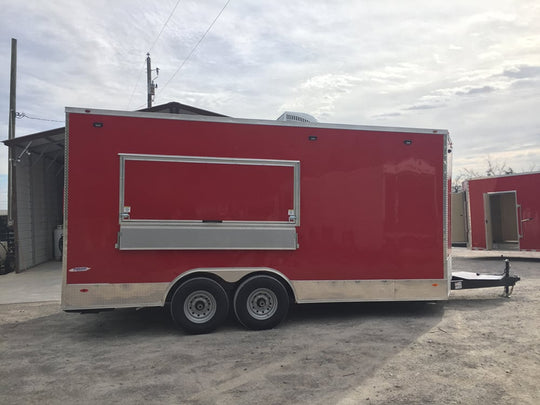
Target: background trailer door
<point>504,212</point>
<point>501,217</point>
<point>459,219</point>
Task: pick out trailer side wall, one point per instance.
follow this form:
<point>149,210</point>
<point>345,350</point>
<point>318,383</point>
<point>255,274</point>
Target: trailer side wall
<point>371,223</point>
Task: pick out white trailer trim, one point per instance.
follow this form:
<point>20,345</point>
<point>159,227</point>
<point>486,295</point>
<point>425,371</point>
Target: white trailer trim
<point>133,295</point>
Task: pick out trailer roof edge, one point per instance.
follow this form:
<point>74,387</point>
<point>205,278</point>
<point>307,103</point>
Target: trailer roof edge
<point>139,114</point>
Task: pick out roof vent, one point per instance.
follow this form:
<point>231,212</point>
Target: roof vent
<point>296,117</point>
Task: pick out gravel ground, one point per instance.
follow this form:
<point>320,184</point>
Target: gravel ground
<point>477,348</point>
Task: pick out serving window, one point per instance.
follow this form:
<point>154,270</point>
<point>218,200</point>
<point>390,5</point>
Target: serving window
<point>186,202</point>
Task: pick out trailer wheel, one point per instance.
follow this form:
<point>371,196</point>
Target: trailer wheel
<point>199,305</point>
<point>261,302</point>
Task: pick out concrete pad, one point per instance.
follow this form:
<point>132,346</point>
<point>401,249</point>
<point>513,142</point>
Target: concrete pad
<point>493,254</point>
<point>44,282</point>
<point>38,284</point>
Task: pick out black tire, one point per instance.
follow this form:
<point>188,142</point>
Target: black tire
<point>199,305</point>
<point>261,302</point>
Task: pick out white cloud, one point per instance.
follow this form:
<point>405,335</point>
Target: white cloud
<point>470,67</point>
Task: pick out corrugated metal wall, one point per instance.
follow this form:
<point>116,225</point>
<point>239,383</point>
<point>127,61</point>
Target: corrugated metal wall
<point>39,206</point>
<point>39,182</point>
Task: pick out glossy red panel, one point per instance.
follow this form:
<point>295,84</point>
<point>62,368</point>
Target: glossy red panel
<point>371,201</point>
<point>208,191</point>
<point>527,188</point>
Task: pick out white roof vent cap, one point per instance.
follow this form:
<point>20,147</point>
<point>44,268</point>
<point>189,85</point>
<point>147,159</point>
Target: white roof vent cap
<point>296,117</point>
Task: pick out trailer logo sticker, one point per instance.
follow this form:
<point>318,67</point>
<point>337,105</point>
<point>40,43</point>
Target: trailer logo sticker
<point>78,269</point>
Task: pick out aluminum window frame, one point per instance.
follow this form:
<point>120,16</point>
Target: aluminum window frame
<point>169,234</point>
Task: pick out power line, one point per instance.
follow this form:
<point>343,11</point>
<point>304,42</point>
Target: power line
<point>139,107</point>
<point>152,47</point>
<point>136,83</point>
<point>21,115</point>
<point>164,25</point>
<point>196,46</point>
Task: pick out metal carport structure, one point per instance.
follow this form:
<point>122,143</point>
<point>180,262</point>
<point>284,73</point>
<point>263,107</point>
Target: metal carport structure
<point>37,184</point>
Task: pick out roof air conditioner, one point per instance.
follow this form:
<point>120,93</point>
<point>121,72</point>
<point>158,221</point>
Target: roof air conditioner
<point>296,117</point>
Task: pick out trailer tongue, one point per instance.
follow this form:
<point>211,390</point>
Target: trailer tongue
<point>463,280</point>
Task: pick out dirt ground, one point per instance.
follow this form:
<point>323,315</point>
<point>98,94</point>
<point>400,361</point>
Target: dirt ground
<point>477,348</point>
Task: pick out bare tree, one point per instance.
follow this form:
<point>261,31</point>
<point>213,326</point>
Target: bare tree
<point>497,168</point>
<point>494,168</point>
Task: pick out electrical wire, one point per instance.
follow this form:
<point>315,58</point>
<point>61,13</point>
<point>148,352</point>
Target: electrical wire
<point>196,46</point>
<point>136,83</point>
<point>164,25</point>
<point>20,115</point>
<point>152,47</point>
<point>139,107</point>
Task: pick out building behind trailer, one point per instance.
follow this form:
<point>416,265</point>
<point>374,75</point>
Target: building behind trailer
<point>38,185</point>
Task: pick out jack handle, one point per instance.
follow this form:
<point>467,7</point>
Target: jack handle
<point>507,291</point>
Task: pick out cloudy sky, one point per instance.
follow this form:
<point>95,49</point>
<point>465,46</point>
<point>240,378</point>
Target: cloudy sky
<point>472,67</point>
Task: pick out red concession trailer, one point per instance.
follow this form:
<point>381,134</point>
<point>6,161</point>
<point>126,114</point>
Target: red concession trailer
<point>203,214</point>
<point>504,212</point>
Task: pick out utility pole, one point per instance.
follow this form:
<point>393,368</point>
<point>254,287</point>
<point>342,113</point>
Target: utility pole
<point>12,258</point>
<point>149,80</point>
<point>150,86</point>
<point>11,124</point>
